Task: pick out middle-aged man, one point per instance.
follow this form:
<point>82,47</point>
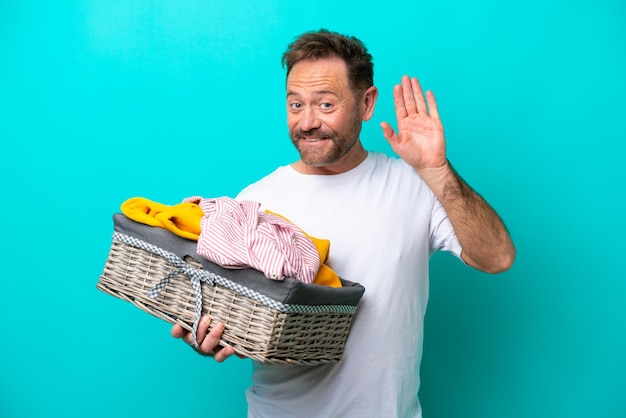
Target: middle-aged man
<point>384,218</point>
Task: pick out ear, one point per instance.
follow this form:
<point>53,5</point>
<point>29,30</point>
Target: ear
<point>369,102</point>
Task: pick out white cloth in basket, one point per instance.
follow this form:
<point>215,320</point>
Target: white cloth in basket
<point>236,234</point>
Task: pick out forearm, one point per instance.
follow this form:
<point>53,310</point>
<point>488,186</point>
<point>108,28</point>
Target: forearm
<point>485,240</point>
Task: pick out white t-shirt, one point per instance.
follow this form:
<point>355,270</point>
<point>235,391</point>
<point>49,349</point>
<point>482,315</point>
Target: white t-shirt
<point>383,223</point>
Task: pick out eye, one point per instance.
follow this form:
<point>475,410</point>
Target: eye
<point>326,105</point>
<point>295,106</point>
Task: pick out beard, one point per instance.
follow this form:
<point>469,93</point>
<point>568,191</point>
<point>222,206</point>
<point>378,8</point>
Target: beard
<point>341,143</point>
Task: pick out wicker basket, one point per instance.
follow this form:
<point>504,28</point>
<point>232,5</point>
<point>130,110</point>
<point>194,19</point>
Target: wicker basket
<point>268,321</point>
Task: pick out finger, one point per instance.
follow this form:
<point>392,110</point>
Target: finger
<point>201,331</point>
<point>223,354</point>
<point>388,132</point>
<point>188,338</point>
<point>432,104</point>
<point>398,101</point>
<point>203,328</point>
<point>419,96</point>
<point>177,331</point>
<point>409,96</point>
<point>212,339</point>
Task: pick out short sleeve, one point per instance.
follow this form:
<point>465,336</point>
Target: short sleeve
<point>442,235</point>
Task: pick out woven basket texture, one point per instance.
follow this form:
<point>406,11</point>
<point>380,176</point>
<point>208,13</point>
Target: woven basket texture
<point>253,329</point>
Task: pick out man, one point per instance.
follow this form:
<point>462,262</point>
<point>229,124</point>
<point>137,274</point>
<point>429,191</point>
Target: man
<point>384,218</point>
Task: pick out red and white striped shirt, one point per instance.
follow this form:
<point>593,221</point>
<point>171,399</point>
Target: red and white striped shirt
<point>236,234</point>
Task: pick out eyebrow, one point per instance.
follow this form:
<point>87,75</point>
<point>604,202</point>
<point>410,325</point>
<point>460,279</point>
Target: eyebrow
<point>316,93</point>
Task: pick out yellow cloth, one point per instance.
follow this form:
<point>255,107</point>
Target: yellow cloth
<point>325,275</point>
<point>183,219</point>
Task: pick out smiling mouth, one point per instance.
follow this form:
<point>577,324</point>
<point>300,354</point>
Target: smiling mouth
<point>313,139</point>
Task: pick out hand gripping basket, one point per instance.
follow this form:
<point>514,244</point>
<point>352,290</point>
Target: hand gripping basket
<point>269,321</point>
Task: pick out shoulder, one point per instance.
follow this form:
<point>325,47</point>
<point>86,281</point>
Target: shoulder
<point>384,162</point>
<point>399,179</point>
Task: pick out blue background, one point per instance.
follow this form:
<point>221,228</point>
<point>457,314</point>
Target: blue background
<point>104,100</point>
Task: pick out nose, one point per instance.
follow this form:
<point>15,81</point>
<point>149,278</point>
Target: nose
<point>309,119</point>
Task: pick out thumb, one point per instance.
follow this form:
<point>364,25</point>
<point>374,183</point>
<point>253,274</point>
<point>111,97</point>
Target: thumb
<point>388,132</point>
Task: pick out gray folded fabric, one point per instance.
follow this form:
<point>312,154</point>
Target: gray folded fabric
<point>288,291</point>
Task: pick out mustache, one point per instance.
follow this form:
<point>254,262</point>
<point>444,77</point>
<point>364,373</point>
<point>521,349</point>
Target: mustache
<point>316,133</point>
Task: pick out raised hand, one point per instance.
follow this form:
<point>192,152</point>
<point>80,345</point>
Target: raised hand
<point>420,140</point>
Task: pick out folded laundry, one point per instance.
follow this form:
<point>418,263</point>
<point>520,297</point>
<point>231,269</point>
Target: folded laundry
<point>325,275</point>
<point>182,219</point>
<point>239,235</point>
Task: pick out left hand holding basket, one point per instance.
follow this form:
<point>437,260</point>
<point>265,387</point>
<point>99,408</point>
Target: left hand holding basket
<point>208,343</point>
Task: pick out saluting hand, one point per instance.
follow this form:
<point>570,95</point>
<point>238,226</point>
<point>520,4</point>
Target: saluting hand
<point>420,140</point>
